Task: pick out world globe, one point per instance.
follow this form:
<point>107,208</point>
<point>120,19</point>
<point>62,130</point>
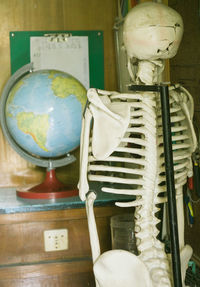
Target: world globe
<point>41,115</point>
<point>44,112</point>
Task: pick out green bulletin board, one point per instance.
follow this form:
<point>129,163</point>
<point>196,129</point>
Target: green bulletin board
<point>20,51</point>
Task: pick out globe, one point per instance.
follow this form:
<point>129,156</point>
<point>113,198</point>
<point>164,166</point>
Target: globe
<point>41,117</point>
<point>44,113</point>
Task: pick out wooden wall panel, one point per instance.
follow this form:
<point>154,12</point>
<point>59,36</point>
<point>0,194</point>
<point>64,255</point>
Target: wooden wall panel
<point>31,15</point>
<point>185,69</point>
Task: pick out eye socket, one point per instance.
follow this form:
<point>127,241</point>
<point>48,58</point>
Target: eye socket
<point>177,25</point>
<point>158,51</point>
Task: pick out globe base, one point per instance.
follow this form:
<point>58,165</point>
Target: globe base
<point>51,188</point>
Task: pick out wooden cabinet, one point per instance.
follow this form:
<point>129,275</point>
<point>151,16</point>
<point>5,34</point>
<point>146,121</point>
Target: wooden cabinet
<point>23,260</point>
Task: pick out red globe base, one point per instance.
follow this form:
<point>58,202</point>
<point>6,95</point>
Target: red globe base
<point>51,188</point>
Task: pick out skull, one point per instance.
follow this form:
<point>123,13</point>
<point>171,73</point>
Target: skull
<point>152,31</point>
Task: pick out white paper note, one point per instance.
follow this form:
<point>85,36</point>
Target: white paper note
<point>65,54</point>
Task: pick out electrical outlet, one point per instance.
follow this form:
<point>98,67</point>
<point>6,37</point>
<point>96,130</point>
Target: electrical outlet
<point>56,239</point>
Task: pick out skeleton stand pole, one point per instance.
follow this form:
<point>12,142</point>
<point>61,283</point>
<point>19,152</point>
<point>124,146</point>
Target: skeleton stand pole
<point>171,193</point>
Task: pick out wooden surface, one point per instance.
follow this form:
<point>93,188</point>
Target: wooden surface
<point>22,256</point>
<point>33,15</point>
<point>66,274</point>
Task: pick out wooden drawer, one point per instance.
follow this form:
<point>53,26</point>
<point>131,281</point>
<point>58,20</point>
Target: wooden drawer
<point>24,242</point>
<point>22,238</point>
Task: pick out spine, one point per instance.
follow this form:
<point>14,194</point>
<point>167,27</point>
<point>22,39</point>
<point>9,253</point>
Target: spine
<point>151,250</point>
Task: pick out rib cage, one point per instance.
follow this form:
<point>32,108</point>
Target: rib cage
<point>127,164</point>
<point>136,167</point>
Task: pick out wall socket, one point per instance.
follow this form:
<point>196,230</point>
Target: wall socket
<point>55,239</point>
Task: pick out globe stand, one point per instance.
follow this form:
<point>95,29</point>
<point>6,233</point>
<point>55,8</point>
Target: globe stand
<point>50,188</point>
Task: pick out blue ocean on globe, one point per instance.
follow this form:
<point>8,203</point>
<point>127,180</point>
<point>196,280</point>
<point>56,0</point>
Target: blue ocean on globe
<point>44,113</point>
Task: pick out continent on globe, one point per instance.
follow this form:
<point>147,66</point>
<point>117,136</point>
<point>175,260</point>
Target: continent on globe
<point>35,126</point>
<point>64,87</point>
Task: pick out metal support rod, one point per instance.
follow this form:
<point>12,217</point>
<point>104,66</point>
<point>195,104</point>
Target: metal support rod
<point>171,193</point>
<point>169,170</point>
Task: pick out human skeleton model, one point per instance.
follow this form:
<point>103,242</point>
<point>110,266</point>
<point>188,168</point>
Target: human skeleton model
<point>122,148</point>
